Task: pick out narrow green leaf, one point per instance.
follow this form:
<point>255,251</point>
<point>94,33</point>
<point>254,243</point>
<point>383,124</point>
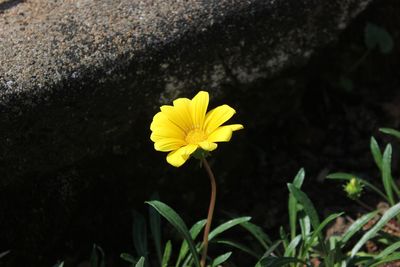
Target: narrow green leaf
<point>139,234</point>
<point>167,254</point>
<point>356,226</point>
<point>390,258</point>
<point>390,131</point>
<point>292,203</point>
<point>376,152</point>
<point>174,219</point>
<point>389,250</point>
<point>279,261</point>
<point>292,246</point>
<point>349,176</point>
<point>140,263</point>
<point>318,232</point>
<point>227,225</point>
<point>284,237</point>
<point>376,36</point>
<point>155,227</point>
<point>309,208</point>
<point>61,264</point>
<point>194,232</point>
<point>387,216</point>
<point>128,258</point>
<point>258,233</point>
<point>221,259</point>
<point>269,252</point>
<point>387,173</point>
<point>238,246</point>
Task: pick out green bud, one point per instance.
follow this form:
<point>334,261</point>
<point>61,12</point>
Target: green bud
<point>353,188</point>
<point>200,154</point>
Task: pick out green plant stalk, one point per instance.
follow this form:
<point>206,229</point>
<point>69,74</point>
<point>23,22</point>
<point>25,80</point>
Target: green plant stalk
<point>210,211</point>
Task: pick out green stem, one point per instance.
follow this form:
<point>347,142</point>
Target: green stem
<point>210,212</point>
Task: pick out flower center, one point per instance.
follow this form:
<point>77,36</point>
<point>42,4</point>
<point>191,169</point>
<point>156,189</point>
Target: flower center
<point>195,136</point>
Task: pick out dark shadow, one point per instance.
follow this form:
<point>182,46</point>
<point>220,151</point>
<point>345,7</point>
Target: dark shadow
<point>9,4</point>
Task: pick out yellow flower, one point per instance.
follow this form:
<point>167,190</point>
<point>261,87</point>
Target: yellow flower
<point>186,126</point>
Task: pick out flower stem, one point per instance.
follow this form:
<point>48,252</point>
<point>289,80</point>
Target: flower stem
<point>210,212</point>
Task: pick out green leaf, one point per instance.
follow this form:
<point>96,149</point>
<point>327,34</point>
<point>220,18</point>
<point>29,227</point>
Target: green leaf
<point>176,221</point>
<point>376,36</point>
<point>387,216</point>
<point>387,173</point>
<point>389,250</point>
<point>194,232</point>
<point>227,225</point>
<point>155,227</point>
<point>167,254</point>
<point>309,208</point>
<point>221,259</point>
<point>139,234</point>
<point>269,252</point>
<point>258,233</point>
<point>128,258</point>
<point>356,226</point>
<point>349,176</point>
<point>292,246</point>
<point>61,264</point>
<point>278,261</point>
<point>140,263</point>
<point>292,203</point>
<point>376,152</point>
<point>318,232</point>
<point>238,246</point>
<point>390,131</point>
<point>390,258</point>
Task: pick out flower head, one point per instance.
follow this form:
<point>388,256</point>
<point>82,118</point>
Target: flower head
<point>186,126</point>
<point>354,188</point>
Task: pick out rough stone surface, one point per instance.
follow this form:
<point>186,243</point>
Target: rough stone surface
<point>77,75</point>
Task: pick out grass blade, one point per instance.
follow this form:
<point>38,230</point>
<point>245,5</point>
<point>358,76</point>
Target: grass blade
<point>167,254</point>
<point>292,203</point>
<point>227,225</point>
<point>277,262</point>
<point>391,258</point>
<point>388,215</point>
<point>309,208</point>
<point>176,221</point>
<point>140,263</point>
<point>292,246</point>
<point>390,131</point>
<point>387,173</point>
<point>258,233</point>
<point>389,250</point>
<point>194,232</point>
<point>376,152</point>
<point>356,226</point>
<point>155,228</point>
<point>221,259</point>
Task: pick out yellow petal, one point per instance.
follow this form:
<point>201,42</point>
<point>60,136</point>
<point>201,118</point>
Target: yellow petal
<point>224,133</point>
<point>217,117</point>
<point>208,146</point>
<point>198,109</point>
<point>168,144</point>
<point>177,116</point>
<point>178,157</point>
<point>162,126</point>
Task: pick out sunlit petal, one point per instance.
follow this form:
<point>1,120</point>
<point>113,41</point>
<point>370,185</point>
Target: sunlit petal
<point>217,117</point>
<point>198,109</point>
<point>208,146</point>
<point>168,144</point>
<point>178,157</point>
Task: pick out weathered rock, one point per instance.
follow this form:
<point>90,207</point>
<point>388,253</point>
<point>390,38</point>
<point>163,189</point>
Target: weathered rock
<point>78,76</point>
